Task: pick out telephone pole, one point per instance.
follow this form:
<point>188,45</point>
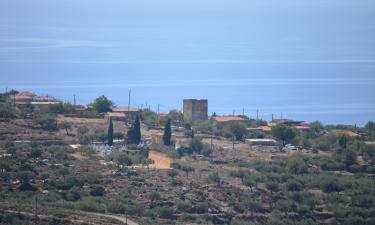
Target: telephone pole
<point>257,114</point>
<point>157,115</point>
<point>74,99</point>
<point>130,92</point>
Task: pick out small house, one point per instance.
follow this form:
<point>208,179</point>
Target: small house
<point>221,121</point>
<point>262,142</point>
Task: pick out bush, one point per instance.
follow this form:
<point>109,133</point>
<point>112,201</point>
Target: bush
<point>35,152</point>
<point>294,185</point>
<point>272,186</point>
<point>6,111</point>
<point>46,122</point>
<point>172,173</point>
<point>184,206</point>
<point>154,196</point>
<point>202,207</point>
<point>165,212</point>
<point>116,207</point>
<point>296,165</point>
<point>91,205</point>
<point>196,145</point>
<point>97,191</point>
<point>72,195</point>
<point>330,185</point>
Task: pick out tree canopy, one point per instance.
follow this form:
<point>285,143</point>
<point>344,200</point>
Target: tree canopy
<point>284,132</point>
<point>102,104</point>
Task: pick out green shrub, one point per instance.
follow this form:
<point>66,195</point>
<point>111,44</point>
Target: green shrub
<point>165,212</point>
<point>116,207</point>
<point>97,190</point>
<point>154,196</point>
<point>184,206</point>
<point>294,185</point>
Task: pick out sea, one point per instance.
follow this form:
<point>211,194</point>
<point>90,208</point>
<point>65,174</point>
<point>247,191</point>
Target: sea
<point>303,60</point>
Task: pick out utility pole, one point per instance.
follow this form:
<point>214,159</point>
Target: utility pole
<point>281,115</point>
<point>157,115</point>
<point>243,111</point>
<point>130,91</point>
<point>36,208</point>
<point>234,111</point>
<point>234,151</point>
<point>257,114</point>
<point>74,99</point>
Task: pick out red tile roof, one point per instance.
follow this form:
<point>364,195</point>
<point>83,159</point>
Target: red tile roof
<point>222,119</point>
<point>265,128</point>
<point>25,94</point>
<point>302,127</point>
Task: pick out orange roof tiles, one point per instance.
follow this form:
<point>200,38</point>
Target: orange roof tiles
<point>265,128</point>
<point>302,127</point>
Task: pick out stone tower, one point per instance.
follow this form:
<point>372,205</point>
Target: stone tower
<point>195,109</point>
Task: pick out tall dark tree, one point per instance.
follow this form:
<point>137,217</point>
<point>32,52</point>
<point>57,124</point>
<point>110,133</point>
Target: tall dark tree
<point>134,133</point>
<point>110,132</point>
<point>370,127</point>
<point>167,133</point>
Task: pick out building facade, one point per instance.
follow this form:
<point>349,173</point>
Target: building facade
<point>195,109</point>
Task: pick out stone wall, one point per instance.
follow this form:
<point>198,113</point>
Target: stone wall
<point>195,109</point>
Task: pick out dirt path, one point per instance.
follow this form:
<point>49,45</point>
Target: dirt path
<point>119,218</point>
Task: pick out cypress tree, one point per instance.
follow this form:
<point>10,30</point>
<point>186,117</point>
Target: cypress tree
<point>110,132</point>
<point>167,133</point>
<point>137,130</point>
<point>134,133</point>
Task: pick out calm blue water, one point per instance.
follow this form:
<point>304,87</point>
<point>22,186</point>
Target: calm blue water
<point>310,60</point>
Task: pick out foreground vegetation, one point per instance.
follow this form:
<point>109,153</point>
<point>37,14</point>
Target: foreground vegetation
<point>330,181</point>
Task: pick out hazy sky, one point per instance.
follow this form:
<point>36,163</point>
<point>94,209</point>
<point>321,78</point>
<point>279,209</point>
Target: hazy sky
<point>326,46</point>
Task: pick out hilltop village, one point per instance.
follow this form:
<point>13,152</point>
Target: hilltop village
<point>62,163</point>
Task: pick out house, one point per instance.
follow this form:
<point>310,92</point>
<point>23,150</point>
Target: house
<point>125,110</point>
<point>220,121</point>
<point>161,160</point>
<point>302,128</point>
<point>45,98</point>
<point>265,129</point>
<point>128,112</point>
<point>116,116</point>
<point>157,138</point>
<point>23,98</point>
<point>345,132</point>
<point>263,142</point>
<point>285,121</point>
